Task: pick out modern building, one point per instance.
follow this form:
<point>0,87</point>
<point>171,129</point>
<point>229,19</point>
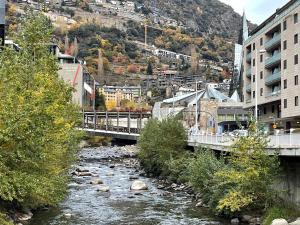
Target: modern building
<point>271,69</point>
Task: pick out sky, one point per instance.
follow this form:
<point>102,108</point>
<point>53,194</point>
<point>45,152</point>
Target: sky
<point>256,10</point>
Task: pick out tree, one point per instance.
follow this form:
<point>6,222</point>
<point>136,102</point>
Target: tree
<point>38,139</point>
<point>100,101</point>
<point>249,179</point>
<point>161,142</point>
<point>149,69</point>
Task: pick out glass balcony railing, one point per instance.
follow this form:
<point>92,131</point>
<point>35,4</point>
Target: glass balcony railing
<point>273,78</point>
<point>273,94</point>
<point>273,43</point>
<point>273,61</point>
<point>248,73</point>
<point>248,57</point>
<point>248,88</point>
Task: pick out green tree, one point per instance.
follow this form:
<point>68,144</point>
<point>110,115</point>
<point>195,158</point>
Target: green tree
<point>248,181</point>
<point>161,142</point>
<point>37,120</point>
<point>100,101</point>
<point>149,69</point>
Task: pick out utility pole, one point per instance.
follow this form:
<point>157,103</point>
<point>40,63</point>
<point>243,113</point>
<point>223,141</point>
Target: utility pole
<point>146,30</point>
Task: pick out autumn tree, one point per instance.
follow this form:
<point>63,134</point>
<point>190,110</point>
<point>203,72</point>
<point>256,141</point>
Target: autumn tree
<point>37,120</point>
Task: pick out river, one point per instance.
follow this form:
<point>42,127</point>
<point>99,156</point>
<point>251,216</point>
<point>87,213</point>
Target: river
<point>84,205</point>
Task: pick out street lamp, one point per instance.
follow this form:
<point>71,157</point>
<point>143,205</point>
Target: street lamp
<point>196,111</point>
<point>262,51</point>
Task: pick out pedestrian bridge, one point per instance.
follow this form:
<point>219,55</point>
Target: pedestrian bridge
<point>128,125</point>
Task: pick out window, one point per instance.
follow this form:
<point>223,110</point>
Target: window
<point>296,80</point>
<point>253,46</point>
<point>296,101</point>
<point>261,92</point>
<point>273,108</point>
<point>296,59</point>
<point>253,94</point>
<point>285,84</point>
<point>261,41</point>
<point>296,18</point>
<point>284,25</point>
<point>265,110</point>
<point>261,74</point>
<point>296,39</point>
<point>284,45</point>
<point>285,103</point>
<point>261,58</point>
<point>253,78</point>
<point>253,62</point>
<point>284,64</point>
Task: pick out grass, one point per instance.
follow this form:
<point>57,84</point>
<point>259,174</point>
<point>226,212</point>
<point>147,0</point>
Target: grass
<point>280,212</point>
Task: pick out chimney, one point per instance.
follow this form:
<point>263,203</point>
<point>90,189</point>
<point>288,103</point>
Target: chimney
<point>2,21</point>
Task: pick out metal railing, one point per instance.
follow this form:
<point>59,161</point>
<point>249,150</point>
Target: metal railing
<point>272,61</point>
<point>273,78</point>
<point>273,42</point>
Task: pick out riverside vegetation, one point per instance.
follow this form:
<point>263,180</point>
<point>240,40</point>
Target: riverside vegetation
<point>38,141</point>
<point>233,184</point>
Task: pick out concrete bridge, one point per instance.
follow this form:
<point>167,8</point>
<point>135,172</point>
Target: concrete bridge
<point>128,125</point>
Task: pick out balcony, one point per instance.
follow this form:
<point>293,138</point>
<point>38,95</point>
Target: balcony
<point>273,78</point>
<point>248,73</point>
<point>248,101</point>
<point>248,57</point>
<point>273,94</point>
<point>248,88</point>
<point>273,43</point>
<point>273,61</point>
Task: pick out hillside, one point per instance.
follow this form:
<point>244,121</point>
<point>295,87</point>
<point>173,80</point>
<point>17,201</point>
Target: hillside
<point>204,17</point>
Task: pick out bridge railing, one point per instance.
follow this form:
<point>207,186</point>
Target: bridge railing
<point>124,122</point>
<point>279,140</point>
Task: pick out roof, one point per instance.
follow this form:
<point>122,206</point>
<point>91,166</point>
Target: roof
<point>278,12</point>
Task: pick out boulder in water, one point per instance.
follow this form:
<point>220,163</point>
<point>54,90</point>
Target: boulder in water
<point>96,181</point>
<point>279,222</point>
<point>138,185</point>
<point>103,188</point>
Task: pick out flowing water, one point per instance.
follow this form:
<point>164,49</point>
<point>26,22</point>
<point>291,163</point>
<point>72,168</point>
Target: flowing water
<point>84,205</point>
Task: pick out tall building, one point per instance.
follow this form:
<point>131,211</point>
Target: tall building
<point>238,59</point>
<point>2,21</point>
<point>271,69</point>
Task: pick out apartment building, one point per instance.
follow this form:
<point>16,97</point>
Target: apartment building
<point>272,69</point>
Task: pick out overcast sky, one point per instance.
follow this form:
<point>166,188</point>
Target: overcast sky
<point>256,10</point>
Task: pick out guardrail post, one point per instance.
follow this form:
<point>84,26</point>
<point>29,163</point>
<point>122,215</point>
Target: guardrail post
<point>95,120</point>
<point>83,121</point>
<point>106,120</point>
<point>118,116</point>
<point>128,120</point>
<point>291,131</point>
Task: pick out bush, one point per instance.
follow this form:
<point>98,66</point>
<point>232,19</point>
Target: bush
<point>178,168</point>
<point>202,170</point>
<point>161,142</point>
<point>277,212</point>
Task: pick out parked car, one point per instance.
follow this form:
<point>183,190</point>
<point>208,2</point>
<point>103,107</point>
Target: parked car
<point>239,133</point>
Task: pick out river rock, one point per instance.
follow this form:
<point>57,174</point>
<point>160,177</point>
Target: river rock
<point>199,203</point>
<point>84,174</point>
<point>82,170</point>
<point>110,174</point>
<point>297,222</point>
<point>235,221</point>
<point>96,181</point>
<point>279,222</point>
<point>138,185</point>
<point>246,218</point>
<point>68,215</point>
<point>24,216</point>
<point>133,177</point>
<point>103,188</point>
<point>254,221</point>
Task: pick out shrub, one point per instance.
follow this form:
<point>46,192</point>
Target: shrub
<point>159,143</point>
<point>282,211</point>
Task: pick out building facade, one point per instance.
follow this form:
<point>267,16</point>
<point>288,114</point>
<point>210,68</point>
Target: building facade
<point>272,69</point>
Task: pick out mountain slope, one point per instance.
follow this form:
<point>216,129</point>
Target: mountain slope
<point>205,17</point>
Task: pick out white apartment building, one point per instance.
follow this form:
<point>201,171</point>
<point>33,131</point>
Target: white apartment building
<point>271,69</point>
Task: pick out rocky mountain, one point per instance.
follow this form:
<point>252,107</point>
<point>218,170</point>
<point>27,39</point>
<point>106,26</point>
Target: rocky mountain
<point>205,17</point>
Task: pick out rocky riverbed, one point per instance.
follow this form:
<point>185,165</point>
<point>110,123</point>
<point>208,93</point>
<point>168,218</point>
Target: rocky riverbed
<point>108,188</point>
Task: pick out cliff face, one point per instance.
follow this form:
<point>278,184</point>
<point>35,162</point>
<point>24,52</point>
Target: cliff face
<point>204,17</point>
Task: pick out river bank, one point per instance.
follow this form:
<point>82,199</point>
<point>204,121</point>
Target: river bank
<point>102,195</point>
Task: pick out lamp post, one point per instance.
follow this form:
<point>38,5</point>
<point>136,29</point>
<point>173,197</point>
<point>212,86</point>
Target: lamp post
<point>196,111</point>
<point>262,51</point>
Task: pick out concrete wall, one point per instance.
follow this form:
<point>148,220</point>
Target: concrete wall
<point>290,179</point>
<point>68,73</point>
